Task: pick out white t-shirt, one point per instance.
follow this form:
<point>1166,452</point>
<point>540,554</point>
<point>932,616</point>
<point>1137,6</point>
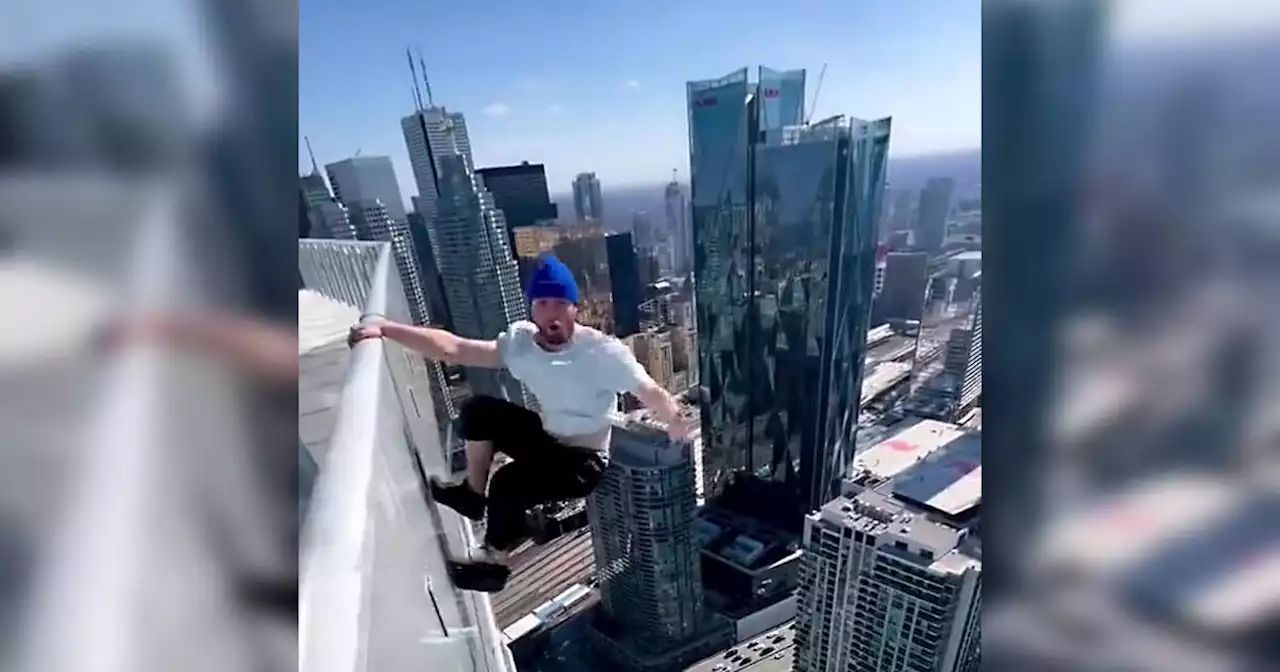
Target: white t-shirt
<point>577,386</point>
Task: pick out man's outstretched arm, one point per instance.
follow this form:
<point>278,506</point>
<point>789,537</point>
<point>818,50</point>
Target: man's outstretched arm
<point>664,405</point>
<point>433,343</point>
<point>625,374</point>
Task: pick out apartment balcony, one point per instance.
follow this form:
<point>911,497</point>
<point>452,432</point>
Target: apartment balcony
<point>374,592</point>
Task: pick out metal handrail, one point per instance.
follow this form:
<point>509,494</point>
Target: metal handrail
<point>375,441</point>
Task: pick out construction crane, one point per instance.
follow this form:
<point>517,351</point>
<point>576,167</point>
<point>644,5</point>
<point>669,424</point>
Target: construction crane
<point>817,89</point>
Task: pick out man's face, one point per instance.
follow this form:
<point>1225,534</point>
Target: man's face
<point>554,318</point>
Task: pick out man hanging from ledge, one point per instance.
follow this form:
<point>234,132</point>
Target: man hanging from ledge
<point>575,372</point>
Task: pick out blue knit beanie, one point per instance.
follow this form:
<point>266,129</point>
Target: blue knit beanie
<point>552,280</point>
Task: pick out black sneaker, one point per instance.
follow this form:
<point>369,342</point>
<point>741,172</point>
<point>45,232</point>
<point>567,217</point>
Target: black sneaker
<point>459,497</point>
<point>478,575</point>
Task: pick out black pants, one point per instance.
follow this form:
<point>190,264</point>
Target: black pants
<point>542,469</point>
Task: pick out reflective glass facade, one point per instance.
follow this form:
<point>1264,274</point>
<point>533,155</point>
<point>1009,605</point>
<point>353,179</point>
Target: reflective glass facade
<point>624,283</point>
<point>784,257</point>
<point>781,98</point>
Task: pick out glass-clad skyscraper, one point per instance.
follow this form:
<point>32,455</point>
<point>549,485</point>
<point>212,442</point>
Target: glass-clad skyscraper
<point>781,98</point>
<point>784,219</point>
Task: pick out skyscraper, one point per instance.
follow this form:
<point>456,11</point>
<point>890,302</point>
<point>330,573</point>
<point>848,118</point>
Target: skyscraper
<point>677,208</point>
<point>587,201</point>
<point>521,193</point>
<point>646,554</point>
<point>430,133</point>
<point>781,98</point>
<point>901,212</point>
<point>891,576</point>
<point>326,216</point>
<point>370,222</point>
<point>641,519</point>
<point>477,269</point>
<point>366,178</point>
<point>331,219</point>
<point>304,215</point>
<point>931,221</point>
<point>644,233</point>
<point>624,283</point>
<point>784,232</point>
<point>314,189</point>
<point>963,361</point>
<point>432,285</point>
<point>906,278</point>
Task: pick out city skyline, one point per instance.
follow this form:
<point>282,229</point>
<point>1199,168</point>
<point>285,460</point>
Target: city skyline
<point>622,117</point>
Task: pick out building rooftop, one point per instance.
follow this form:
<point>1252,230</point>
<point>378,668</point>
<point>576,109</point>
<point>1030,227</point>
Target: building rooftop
<point>949,480</point>
<point>645,444</point>
<point>920,487</point>
<point>740,541</point>
<point>931,541</point>
<point>895,455</point>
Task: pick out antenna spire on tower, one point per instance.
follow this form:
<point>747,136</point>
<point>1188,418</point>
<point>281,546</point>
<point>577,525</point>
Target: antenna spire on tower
<point>430,99</point>
<point>813,104</point>
<point>315,168</point>
<point>417,94</point>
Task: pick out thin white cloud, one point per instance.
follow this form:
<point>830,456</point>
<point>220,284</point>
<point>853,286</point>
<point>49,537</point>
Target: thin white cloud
<point>530,84</point>
<point>497,110</point>
<point>554,109</point>
<point>633,84</point>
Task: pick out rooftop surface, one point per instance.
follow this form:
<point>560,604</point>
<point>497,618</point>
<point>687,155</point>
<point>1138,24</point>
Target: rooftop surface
<point>895,455</point>
<point>731,527</point>
<point>923,500</point>
<point>878,513</point>
<point>949,480</point>
<point>640,441</point>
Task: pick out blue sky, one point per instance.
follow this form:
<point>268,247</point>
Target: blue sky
<point>599,86</point>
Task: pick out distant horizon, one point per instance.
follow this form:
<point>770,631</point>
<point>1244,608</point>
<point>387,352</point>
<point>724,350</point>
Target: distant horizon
<point>681,179</point>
